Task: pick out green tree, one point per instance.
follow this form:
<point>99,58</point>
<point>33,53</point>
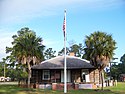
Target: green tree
<point>99,49</point>
<point>116,71</point>
<point>122,59</point>
<point>60,53</point>
<point>27,49</point>
<point>2,68</point>
<point>49,53</point>
<point>122,65</point>
<point>77,49</point>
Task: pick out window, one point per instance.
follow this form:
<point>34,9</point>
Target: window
<point>55,76</point>
<point>46,74</point>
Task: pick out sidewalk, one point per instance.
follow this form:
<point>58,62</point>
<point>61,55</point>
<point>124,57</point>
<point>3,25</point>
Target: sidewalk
<point>8,83</point>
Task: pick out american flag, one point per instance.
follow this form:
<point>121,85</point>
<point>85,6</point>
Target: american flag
<point>64,25</point>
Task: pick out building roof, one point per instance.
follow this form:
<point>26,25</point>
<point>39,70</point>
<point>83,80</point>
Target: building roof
<point>58,63</point>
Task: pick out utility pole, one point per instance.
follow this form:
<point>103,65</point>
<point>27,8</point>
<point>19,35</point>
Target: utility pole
<point>4,72</point>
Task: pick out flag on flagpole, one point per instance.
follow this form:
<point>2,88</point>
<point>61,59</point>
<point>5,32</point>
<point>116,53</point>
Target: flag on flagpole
<point>64,25</point>
<point>65,71</point>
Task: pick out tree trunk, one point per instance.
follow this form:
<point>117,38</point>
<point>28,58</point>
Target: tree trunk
<point>102,80</point>
<point>24,80</point>
<point>99,78</point>
<point>29,74</point>
<point>94,76</point>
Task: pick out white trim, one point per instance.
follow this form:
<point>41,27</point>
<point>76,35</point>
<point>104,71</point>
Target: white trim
<point>66,57</point>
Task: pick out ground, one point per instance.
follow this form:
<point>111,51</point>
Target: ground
<point>14,89</point>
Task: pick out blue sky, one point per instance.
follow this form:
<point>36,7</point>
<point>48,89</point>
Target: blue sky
<point>45,17</point>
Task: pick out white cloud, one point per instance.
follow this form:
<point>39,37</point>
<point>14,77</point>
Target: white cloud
<point>5,40</point>
<point>18,10</point>
<point>50,42</point>
<point>22,10</point>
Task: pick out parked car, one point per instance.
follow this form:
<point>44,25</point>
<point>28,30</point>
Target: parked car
<point>2,79</point>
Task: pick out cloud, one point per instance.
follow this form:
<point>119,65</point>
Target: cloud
<point>50,42</point>
<point>5,40</point>
<point>21,10</point>
<point>16,11</point>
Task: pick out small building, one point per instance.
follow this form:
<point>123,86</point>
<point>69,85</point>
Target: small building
<point>52,71</point>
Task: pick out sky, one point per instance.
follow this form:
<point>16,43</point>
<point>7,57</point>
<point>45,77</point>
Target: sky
<point>45,17</point>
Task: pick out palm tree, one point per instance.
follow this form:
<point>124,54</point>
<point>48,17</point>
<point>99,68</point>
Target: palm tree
<point>27,49</point>
<point>99,50</point>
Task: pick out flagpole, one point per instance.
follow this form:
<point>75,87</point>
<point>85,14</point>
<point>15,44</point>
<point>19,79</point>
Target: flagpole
<point>65,72</point>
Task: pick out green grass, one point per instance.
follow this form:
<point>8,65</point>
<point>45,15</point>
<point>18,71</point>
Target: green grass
<point>120,88</point>
<point>14,89</point>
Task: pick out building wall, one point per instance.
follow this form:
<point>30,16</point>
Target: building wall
<point>94,76</point>
<point>74,75</point>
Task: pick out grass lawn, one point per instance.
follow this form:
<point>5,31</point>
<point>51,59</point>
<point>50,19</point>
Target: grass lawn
<point>14,89</point>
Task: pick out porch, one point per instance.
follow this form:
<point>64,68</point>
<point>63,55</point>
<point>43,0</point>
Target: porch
<point>49,76</point>
<point>60,86</point>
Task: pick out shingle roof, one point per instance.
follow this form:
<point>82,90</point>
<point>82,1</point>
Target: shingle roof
<point>58,63</point>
